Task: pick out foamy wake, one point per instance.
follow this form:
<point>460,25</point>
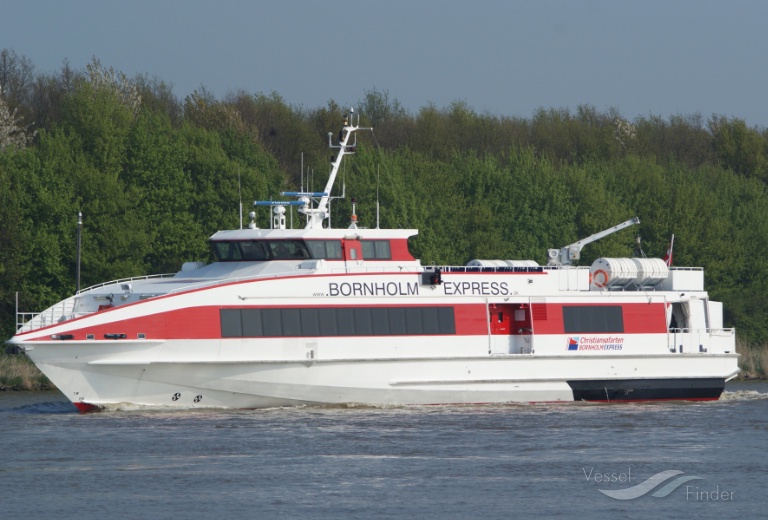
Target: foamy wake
<point>743,395</point>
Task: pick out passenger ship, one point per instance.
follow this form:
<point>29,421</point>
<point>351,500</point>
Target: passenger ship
<point>322,316</point>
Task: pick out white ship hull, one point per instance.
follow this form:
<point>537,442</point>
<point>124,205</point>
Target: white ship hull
<point>92,380</point>
<point>200,348</point>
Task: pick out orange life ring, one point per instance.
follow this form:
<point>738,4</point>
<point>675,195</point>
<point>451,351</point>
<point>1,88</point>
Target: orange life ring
<point>594,280</point>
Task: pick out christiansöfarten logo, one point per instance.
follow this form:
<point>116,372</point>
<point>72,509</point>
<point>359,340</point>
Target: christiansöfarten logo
<point>595,343</point>
<point>660,485</point>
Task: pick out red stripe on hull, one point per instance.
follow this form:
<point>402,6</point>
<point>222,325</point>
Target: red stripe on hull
<point>471,320</point>
<point>87,407</point>
<point>622,401</point>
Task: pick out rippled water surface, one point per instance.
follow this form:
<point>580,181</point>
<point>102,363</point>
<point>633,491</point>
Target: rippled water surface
<point>511,461</point>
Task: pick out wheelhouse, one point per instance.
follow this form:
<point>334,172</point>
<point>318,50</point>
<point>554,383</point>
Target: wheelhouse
<point>265,250</point>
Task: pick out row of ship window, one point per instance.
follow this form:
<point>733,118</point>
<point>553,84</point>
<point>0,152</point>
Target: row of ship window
<point>337,321</point>
<point>266,250</point>
<point>387,321</point>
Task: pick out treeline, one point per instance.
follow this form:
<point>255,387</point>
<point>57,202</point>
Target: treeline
<point>155,175</point>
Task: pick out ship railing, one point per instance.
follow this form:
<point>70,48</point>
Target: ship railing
<point>377,269</point>
<point>714,341</point>
<point>62,311</point>
<point>65,309</point>
<point>127,280</point>
<point>223,281</point>
<point>23,317</point>
<point>486,269</point>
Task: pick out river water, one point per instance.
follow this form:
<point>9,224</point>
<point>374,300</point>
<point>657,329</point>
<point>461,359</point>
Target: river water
<point>510,461</point>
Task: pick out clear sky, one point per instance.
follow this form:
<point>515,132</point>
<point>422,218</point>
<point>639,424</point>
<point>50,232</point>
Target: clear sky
<point>643,58</point>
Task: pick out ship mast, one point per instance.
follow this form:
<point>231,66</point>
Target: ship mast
<point>315,216</point>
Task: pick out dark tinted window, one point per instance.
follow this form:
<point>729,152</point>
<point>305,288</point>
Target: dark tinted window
<point>327,322</point>
<point>260,250</point>
<point>252,322</point>
<point>593,319</point>
<point>376,249</point>
<point>431,319</point>
<point>288,249</point>
<point>310,322</point>
<point>272,322</point>
<point>337,321</point>
<point>380,321</point>
<point>230,323</point>
<point>328,249</point>
<point>345,321</point>
<point>363,323</point>
<point>397,320</point>
<point>254,250</point>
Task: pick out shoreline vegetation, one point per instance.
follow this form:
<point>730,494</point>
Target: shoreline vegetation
<point>753,361</point>
<point>154,175</point>
<point>18,373</point>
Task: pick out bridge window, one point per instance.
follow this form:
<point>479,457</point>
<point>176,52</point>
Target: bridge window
<point>328,249</point>
<point>376,249</point>
<point>260,250</point>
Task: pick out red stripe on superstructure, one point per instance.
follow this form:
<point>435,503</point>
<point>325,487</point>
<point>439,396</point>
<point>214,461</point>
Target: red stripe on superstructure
<point>548,318</point>
<point>189,323</point>
<point>398,249</point>
<point>639,318</point>
<point>644,318</point>
<point>205,323</point>
<point>470,319</point>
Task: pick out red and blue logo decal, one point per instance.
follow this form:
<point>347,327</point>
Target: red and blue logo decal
<point>581,343</point>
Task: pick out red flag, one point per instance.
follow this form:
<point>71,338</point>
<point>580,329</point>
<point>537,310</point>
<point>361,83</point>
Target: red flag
<point>668,256</point>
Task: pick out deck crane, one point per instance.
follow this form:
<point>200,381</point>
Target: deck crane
<point>569,253</point>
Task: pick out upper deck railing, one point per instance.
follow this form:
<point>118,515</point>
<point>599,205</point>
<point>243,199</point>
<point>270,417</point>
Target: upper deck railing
<point>127,280</point>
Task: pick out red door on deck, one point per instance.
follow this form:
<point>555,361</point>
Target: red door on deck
<point>510,326</point>
<point>501,316</point>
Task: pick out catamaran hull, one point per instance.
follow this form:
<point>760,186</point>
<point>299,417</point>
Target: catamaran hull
<point>324,316</point>
<point>384,382</point>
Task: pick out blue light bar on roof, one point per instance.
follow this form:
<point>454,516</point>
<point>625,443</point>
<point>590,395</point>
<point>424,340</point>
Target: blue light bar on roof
<point>303,194</point>
<point>279,203</point>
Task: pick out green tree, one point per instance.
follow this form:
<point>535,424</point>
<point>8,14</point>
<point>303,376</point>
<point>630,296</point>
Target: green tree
<point>739,148</point>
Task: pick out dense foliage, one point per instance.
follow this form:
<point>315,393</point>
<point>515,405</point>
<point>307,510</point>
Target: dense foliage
<point>154,176</point>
